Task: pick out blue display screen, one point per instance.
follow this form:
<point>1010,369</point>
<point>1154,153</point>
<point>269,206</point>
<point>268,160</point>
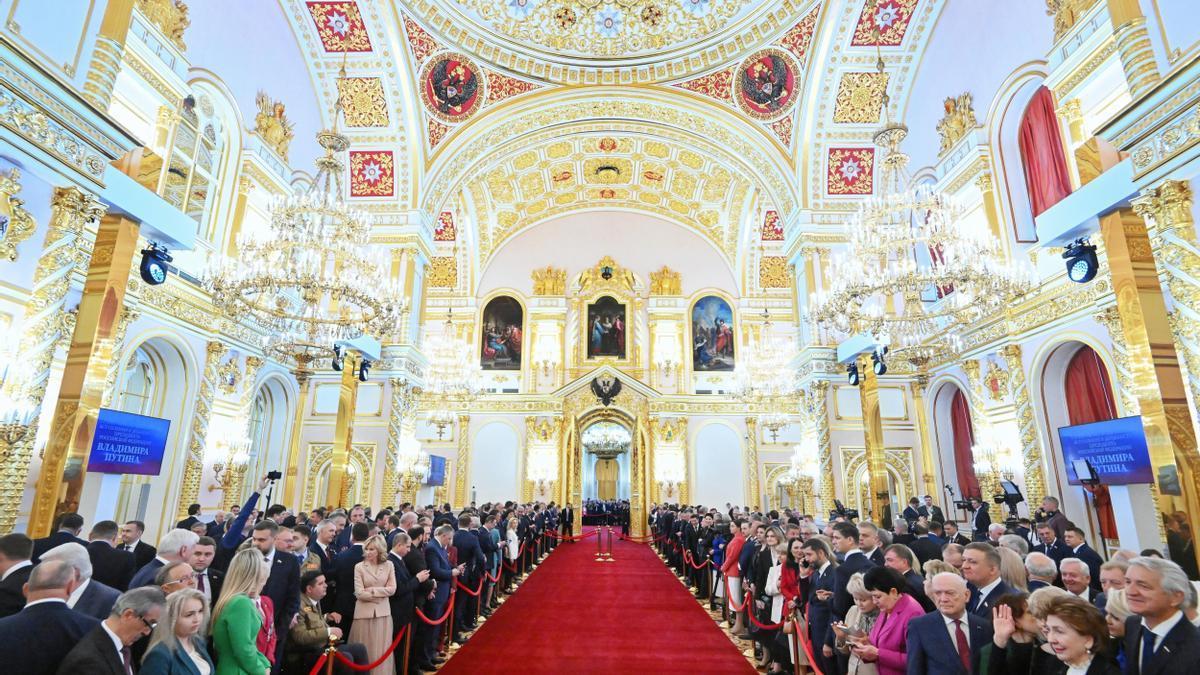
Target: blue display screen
<point>437,470</point>
<point>1116,449</point>
<point>128,443</point>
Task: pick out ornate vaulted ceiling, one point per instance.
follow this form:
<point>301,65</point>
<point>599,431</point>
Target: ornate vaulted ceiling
<point>711,112</point>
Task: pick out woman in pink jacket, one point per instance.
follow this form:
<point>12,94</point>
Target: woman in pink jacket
<point>887,644</point>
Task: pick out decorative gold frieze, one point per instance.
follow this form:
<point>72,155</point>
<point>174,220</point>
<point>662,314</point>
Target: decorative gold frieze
<point>549,281</point>
<point>665,282</point>
<point>443,272</point>
<point>463,463</point>
<point>606,275</point>
<point>859,97</point>
<point>363,101</point>
<point>773,272</point>
<point>958,121</point>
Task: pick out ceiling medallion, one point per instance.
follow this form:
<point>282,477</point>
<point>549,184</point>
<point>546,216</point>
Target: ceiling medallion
<point>452,87</point>
<point>765,84</point>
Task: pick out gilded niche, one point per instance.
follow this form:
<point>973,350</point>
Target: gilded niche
<point>549,281</point>
<point>272,125</point>
<point>665,282</point>
<point>958,121</point>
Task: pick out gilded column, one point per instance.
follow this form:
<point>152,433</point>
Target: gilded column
<point>817,404</point>
<point>1133,45</point>
<point>291,466</point>
<point>400,420</point>
<point>1110,318</point>
<point>980,426</point>
<point>530,437</point>
<point>343,431</point>
<point>193,468</point>
<point>463,463</point>
<point>45,324</point>
<point>868,391</point>
<point>128,316</point>
<point>1031,445</point>
<point>106,59</point>
<point>928,477</point>
<point>753,496</point>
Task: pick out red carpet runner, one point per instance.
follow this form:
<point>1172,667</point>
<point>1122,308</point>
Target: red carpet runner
<point>574,615</point>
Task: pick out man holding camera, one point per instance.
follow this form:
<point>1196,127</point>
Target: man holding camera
<point>1051,516</point>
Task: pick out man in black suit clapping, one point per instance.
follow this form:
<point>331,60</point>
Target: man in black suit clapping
<point>35,640</point>
<point>15,567</point>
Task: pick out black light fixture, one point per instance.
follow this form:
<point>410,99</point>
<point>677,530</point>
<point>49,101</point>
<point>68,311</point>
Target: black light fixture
<point>880,367</point>
<point>606,272</point>
<point>1082,264</point>
<point>338,357</point>
<point>852,374</point>
<point>155,264</point>
<point>363,369</point>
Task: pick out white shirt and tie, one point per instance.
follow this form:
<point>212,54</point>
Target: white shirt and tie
<point>122,651</point>
<point>986,591</point>
<point>953,625</point>
<point>203,583</point>
<point>1160,633</point>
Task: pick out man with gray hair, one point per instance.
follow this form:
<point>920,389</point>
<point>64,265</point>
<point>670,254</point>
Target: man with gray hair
<point>322,544</point>
<point>927,634</point>
<point>175,546</point>
<point>1158,638</point>
<point>994,532</point>
<point>90,597</point>
<point>1016,542</point>
<point>36,639</point>
<point>1077,579</point>
<point>106,648</point>
<point>1041,570</point>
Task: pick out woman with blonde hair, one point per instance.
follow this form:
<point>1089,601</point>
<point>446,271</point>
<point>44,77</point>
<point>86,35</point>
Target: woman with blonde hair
<point>1012,569</point>
<point>859,621</point>
<point>1116,610</point>
<point>512,550</point>
<point>177,643</point>
<point>374,584</point>
<point>238,617</point>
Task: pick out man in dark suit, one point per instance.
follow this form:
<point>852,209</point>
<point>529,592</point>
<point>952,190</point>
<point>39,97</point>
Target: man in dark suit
<point>402,601</point>
<point>414,560</point>
<point>1051,545</point>
<point>932,512</point>
<point>208,579</point>
<point>110,566</point>
<point>1042,570</point>
<point>131,620</point>
<point>912,512</point>
<point>15,567</point>
<point>566,521</point>
<point>322,545</point>
<point>343,541</point>
<point>894,557</point>
<point>981,569</point>
<point>193,517</point>
<point>438,562</point>
<point>470,554</point>
<point>1159,640</point>
<point>216,529</point>
<point>131,540</point>
<point>283,585</point>
<point>69,527</point>
<point>1077,581</point>
<point>90,597</point>
<point>343,575</point>
<point>35,640</point>
<point>980,519</point>
<point>870,543</point>
<point>845,541</point>
<point>175,546</point>
<point>1078,547</point>
<point>953,536</point>
<point>819,557</point>
<point>923,546</point>
<point>491,554</point>
<point>930,647</point>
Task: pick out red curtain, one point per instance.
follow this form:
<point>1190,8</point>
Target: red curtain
<point>964,438</point>
<point>1042,157</point>
<point>1090,399</point>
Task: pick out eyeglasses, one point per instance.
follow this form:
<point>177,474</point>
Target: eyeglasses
<point>150,625</point>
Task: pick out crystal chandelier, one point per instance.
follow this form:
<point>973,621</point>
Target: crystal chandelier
<point>453,378</point>
<point>312,278</point>
<point>607,439</point>
<point>914,271</point>
<point>764,377</point>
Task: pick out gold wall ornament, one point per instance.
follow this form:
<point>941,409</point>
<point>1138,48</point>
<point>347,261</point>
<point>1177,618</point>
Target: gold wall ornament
<point>774,272</point>
<point>291,472</point>
<point>189,490</point>
<point>229,376</point>
<point>463,462</point>
<point>920,385</point>
<point>401,418</point>
<point>443,272</point>
<point>272,124</point>
<point>343,431</point>
<point>995,382</point>
<point>363,101</point>
<point>170,17</point>
<point>1066,14</point>
<point>1031,446</point>
<point>16,225</point>
<point>872,420</point>
<point>958,121</point>
<point>859,97</point>
<point>750,461</point>
<point>815,405</point>
<point>665,282</point>
<point>607,275</point>
<point>362,466</point>
<point>1110,318</point>
<point>549,281</point>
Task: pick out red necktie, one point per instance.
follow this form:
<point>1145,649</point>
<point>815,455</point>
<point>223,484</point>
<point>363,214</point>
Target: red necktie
<point>964,650</point>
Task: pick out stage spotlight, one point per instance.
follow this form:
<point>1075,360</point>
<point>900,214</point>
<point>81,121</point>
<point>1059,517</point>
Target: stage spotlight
<point>363,369</point>
<point>155,264</point>
<point>337,358</point>
<point>1082,263</point>
<point>880,367</point>
<point>852,374</point>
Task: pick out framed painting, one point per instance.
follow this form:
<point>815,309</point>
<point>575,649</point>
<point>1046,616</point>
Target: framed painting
<point>607,329</point>
<point>712,335</point>
<point>501,334</point>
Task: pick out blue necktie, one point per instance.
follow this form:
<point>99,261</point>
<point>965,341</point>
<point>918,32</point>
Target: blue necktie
<point>1148,638</point>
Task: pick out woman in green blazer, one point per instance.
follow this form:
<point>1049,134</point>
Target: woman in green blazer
<point>177,644</point>
<point>237,618</point>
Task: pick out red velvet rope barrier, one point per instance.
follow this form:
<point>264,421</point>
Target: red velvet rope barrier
<point>802,638</point>
<point>569,537</point>
<point>732,603</point>
<point>687,555</point>
<point>319,664</point>
<point>449,608</point>
<point>763,626</point>
<point>378,662</point>
<point>475,593</point>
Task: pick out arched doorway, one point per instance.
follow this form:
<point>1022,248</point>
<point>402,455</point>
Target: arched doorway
<point>955,436</point>
<point>606,446</point>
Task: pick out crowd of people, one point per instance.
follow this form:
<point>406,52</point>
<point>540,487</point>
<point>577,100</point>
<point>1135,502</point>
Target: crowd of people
<point>919,596</point>
<point>262,593</point>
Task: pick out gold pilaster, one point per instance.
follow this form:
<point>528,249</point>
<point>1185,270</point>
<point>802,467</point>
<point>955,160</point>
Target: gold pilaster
<point>868,392</point>
<point>1031,445</point>
<point>245,186</point>
<point>980,425</point>
<point>64,463</point>
<point>640,479</point>
<point>45,324</point>
<point>753,496</point>
<point>399,481</point>
<point>343,433</point>
<point>234,492</point>
<point>109,50</point>
<point>1133,45</point>
<point>463,468</point>
<point>1110,318</point>
<point>928,476</point>
<point>816,403</point>
<point>193,468</point>
<point>1154,365</point>
<point>292,470</point>
<point>530,437</point>
<point>987,189</point>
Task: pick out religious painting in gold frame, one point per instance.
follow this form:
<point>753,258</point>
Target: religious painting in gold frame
<point>607,329</point>
<point>502,334</point>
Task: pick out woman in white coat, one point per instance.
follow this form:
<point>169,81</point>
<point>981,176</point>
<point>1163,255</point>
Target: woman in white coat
<point>512,549</point>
